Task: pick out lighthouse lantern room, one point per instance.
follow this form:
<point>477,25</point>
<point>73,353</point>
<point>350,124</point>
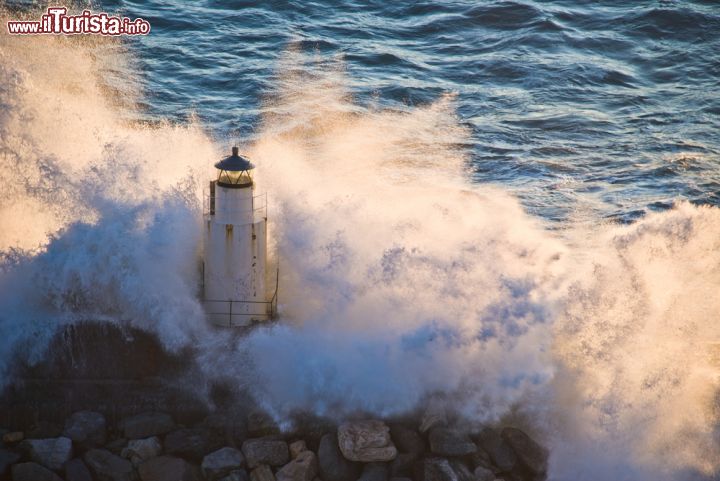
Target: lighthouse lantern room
<point>235,247</point>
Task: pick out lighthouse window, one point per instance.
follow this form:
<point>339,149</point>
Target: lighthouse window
<point>232,177</point>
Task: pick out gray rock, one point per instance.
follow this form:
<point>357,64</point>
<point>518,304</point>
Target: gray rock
<point>262,473</point>
<point>221,463</point>
<point>501,453</point>
<point>33,472</point>
<point>531,454</point>
<point>461,470</point>
<point>107,466</point>
<point>168,468</point>
<point>438,469</point>
<point>374,472</point>
<point>6,459</point>
<point>76,470</point>
<point>192,443</point>
<point>400,479</point>
<point>239,475</point>
<point>140,450</point>
<point>434,415</point>
<point>303,468</point>
<point>366,441</point>
<point>297,447</point>
<point>332,464</point>
<point>407,440</point>
<point>86,428</point>
<point>52,453</point>
<point>146,425</point>
<point>483,474</point>
<point>450,442</point>
<point>268,450</point>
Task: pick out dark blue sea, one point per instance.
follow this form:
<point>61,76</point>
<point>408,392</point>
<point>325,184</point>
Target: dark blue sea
<point>607,106</point>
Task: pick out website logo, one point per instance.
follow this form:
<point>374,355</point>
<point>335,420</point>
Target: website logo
<point>56,21</point>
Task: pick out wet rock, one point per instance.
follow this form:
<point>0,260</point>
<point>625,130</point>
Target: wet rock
<point>531,454</point>
<point>374,472</point>
<point>332,464</point>
<point>239,475</point>
<point>106,466</point>
<point>191,443</point>
<point>146,425</point>
<point>296,448</point>
<point>262,473</point>
<point>52,453</point>
<point>168,468</point>
<point>303,468</point>
<point>438,469</point>
<point>434,416</point>
<point>407,440</point>
<point>13,437</point>
<point>500,452</point>
<point>268,450</point>
<point>140,450</point>
<point>366,441</point>
<point>33,472</point>
<point>76,470</point>
<point>461,470</point>
<point>86,428</point>
<point>483,474</point>
<point>221,463</point>
<point>450,442</point>
<point>6,459</point>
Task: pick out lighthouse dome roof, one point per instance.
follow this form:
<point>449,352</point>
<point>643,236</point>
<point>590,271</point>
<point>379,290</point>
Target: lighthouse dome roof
<point>235,162</point>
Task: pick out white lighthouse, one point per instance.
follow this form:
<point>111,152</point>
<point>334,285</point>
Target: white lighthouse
<point>235,247</point>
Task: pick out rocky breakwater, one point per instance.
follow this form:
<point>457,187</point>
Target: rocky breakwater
<point>153,447</point>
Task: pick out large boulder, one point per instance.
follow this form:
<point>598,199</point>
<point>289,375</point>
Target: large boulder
<point>267,450</point>
<point>450,442</point>
<point>33,472</point>
<point>438,469</point>
<point>52,453</point>
<point>303,468</point>
<point>191,443</point>
<point>406,439</point>
<point>168,468</point>
<point>76,470</point>
<point>501,453</point>
<point>297,447</point>
<point>332,464</point>
<point>366,441</point>
<point>222,462</point>
<point>483,474</point>
<point>140,450</point>
<point>146,425</point>
<point>262,473</point>
<point>107,466</point>
<point>7,458</point>
<point>531,454</point>
<point>86,428</point>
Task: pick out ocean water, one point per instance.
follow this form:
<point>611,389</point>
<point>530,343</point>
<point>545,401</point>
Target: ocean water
<point>509,209</point>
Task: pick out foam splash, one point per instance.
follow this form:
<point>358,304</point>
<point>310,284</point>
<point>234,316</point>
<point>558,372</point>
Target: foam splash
<point>400,281</point>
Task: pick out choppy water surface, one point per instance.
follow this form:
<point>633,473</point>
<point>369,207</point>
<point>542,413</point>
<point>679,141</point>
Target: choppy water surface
<point>586,110</point>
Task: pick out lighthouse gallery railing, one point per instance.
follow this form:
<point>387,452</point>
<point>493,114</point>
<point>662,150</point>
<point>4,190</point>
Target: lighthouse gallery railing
<point>235,308</point>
